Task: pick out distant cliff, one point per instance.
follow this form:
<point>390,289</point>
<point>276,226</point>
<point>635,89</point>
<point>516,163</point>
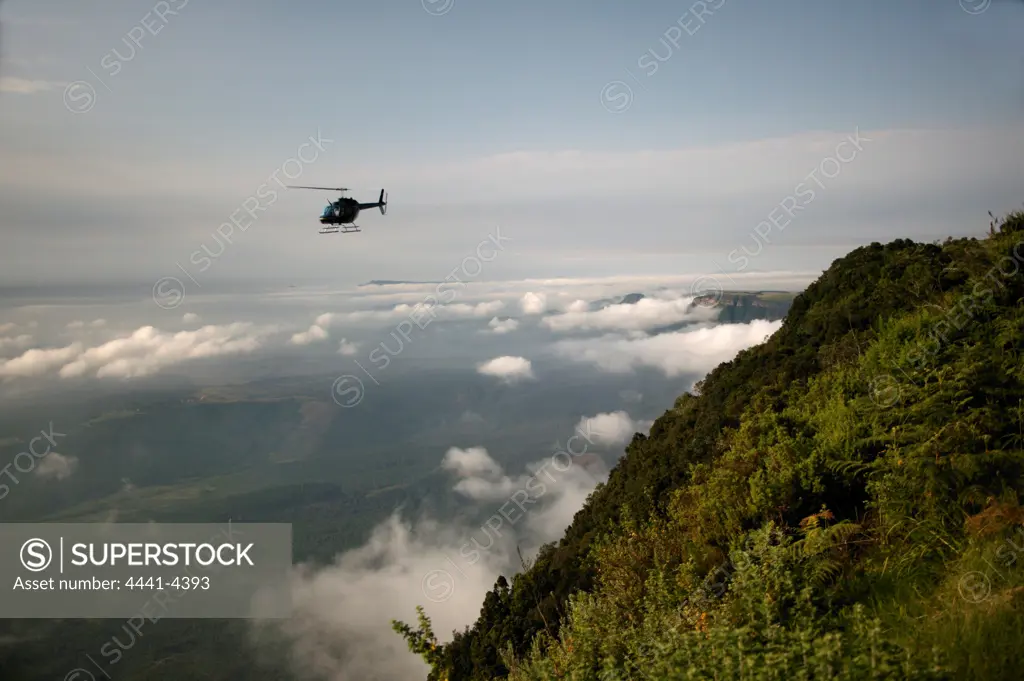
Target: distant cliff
<point>740,307</point>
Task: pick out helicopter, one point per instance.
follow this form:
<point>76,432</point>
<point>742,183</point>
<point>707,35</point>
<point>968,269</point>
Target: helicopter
<point>339,216</point>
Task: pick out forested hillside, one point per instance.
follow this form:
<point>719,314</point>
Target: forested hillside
<point>840,502</point>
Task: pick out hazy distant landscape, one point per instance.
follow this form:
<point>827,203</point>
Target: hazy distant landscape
<point>285,449</point>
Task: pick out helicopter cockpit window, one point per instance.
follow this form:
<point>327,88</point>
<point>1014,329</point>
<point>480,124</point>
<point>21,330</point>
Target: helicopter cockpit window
<point>328,210</point>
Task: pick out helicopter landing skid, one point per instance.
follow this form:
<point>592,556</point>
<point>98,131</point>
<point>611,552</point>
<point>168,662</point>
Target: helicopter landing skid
<point>344,229</point>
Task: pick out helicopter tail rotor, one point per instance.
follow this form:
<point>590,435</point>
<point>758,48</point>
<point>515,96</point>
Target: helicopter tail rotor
<point>383,201</point>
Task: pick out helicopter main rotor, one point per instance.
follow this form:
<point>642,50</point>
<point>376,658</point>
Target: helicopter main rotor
<point>341,190</point>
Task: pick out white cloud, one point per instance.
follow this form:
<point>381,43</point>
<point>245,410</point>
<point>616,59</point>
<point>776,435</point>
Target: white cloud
<point>614,428</point>
<point>676,353</point>
<point>36,361</point>
<point>24,86</point>
<point>464,311</point>
<point>568,482</point>
<point>469,462</point>
<point>326,320</point>
<point>56,466</point>
<point>346,348</point>
<point>508,369</point>
<point>145,351</point>
<point>312,335</point>
<point>645,314</point>
<point>421,311</point>
<point>534,303</point>
<point>16,342</point>
<point>501,326</point>
<point>79,324</point>
<point>190,318</point>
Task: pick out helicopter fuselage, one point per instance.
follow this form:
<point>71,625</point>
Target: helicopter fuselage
<point>340,215</point>
<point>341,212</point>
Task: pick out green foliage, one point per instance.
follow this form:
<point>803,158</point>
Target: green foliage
<point>768,626</point>
<point>421,641</point>
<point>811,511</point>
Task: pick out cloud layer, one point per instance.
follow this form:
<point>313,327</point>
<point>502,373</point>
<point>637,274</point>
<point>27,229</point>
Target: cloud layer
<point>96,341</point>
<point>144,352</point>
<point>340,628</point>
<point>612,429</point>
<point>676,353</point>
<point>644,315</point>
<point>508,369</point>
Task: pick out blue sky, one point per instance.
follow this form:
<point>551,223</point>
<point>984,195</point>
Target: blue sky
<point>207,108</point>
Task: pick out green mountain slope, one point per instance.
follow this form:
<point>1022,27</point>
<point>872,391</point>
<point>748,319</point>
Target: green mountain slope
<point>838,502</point>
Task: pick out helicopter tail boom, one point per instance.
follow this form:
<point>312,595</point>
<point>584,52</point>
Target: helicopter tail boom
<point>381,203</point>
